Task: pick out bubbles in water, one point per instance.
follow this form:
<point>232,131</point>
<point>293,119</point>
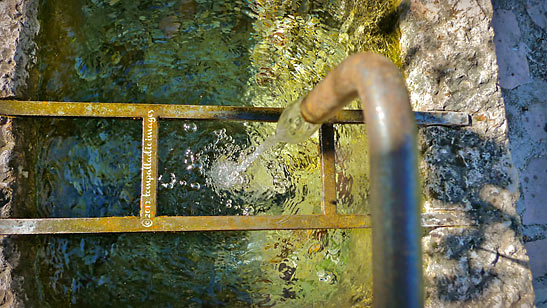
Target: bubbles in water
<point>325,277</point>
<point>247,211</point>
<point>190,127</point>
<point>226,174</point>
<point>291,128</point>
<point>285,185</point>
<point>171,183</point>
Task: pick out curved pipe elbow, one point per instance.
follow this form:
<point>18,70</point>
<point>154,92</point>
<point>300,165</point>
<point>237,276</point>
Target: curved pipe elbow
<point>394,191</point>
<point>378,83</point>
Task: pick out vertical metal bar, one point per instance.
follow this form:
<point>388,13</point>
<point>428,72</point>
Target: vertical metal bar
<point>328,169</point>
<point>149,168</point>
<point>394,189</point>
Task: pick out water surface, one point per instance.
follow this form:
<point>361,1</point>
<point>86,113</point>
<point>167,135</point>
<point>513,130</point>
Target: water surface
<point>202,52</point>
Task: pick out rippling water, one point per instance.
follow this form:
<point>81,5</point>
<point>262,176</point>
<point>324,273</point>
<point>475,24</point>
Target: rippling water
<point>203,52</point>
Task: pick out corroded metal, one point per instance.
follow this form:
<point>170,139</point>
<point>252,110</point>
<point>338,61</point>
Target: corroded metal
<point>150,115</point>
<point>192,112</point>
<point>147,220</point>
<point>328,172</point>
<point>454,219</point>
<point>395,196</point>
<point>180,223</point>
<point>202,223</point>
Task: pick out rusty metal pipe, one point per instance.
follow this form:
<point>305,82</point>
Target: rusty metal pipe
<point>395,206</point>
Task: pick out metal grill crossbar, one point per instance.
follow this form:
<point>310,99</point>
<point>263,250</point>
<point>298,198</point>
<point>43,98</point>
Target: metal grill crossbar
<point>147,221</point>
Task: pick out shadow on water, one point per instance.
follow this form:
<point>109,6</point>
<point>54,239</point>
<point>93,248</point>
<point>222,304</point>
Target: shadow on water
<point>186,52</point>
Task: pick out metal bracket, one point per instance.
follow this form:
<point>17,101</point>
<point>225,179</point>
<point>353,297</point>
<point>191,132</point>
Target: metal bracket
<point>151,114</point>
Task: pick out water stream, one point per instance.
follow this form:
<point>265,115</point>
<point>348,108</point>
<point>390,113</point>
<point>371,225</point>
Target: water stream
<point>202,52</point>
<point>225,174</point>
<point>291,128</point>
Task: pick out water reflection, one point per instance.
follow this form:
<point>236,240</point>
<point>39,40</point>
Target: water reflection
<point>263,53</point>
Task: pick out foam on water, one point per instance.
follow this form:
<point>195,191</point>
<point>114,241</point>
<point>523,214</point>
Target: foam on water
<point>226,173</point>
<point>291,128</point>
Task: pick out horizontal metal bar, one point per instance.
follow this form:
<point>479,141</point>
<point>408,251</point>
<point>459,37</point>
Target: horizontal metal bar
<point>456,218</point>
<point>10,226</point>
<point>180,223</point>
<point>193,112</point>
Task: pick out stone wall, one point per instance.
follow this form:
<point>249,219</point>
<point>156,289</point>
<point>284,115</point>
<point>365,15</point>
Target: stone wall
<point>450,61</point>
<point>18,27</point>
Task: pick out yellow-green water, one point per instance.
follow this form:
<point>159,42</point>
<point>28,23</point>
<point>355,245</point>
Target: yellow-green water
<point>260,53</point>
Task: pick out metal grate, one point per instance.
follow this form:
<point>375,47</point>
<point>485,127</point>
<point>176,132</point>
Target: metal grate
<point>147,221</point>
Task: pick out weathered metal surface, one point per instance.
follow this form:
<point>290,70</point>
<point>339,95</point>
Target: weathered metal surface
<point>328,171</point>
<point>423,118</point>
<point>442,118</point>
<point>448,219</point>
<point>180,223</point>
<point>150,115</point>
<point>192,112</point>
<point>209,223</point>
<point>149,168</point>
<point>395,196</point>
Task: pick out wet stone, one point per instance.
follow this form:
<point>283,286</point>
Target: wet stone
<point>538,265</point>
<point>537,9</point>
<point>535,193</point>
<point>513,66</point>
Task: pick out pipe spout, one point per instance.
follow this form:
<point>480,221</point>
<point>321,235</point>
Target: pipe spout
<point>395,201</point>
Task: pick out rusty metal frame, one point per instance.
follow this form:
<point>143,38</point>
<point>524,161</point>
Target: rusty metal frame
<point>147,221</point>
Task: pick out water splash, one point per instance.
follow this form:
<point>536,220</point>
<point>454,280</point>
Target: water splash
<point>291,128</point>
<point>225,174</point>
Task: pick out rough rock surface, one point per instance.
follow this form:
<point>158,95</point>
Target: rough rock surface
<point>18,26</point>
<point>8,259</point>
<point>511,52</point>
<point>449,58</point>
<point>526,108</point>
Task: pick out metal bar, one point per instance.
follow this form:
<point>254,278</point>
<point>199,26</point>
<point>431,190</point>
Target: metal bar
<point>328,169</point>
<point>149,168</point>
<point>189,223</point>
<point>394,189</point>
<point>180,223</point>
<point>192,112</point>
<point>456,218</point>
